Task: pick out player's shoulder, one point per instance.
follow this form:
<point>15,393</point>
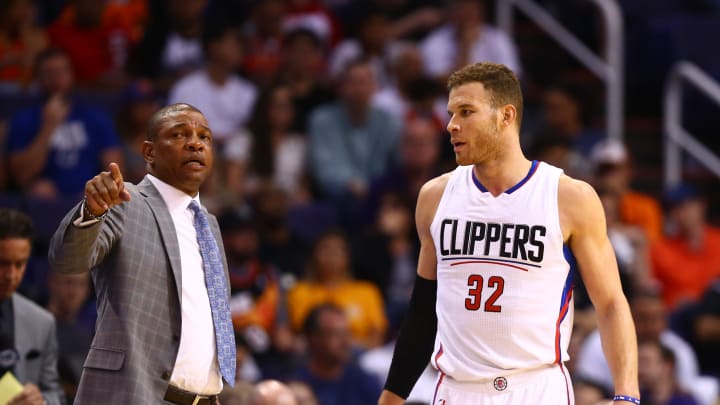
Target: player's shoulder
<point>578,203</point>
<point>435,187</point>
<point>574,190</point>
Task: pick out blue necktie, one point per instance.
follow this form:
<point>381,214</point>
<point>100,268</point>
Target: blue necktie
<point>217,292</point>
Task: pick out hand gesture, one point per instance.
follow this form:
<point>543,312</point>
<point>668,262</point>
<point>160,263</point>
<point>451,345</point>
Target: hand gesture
<point>30,395</point>
<point>105,190</point>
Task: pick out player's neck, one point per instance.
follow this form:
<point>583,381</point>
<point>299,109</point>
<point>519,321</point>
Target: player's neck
<point>503,171</point>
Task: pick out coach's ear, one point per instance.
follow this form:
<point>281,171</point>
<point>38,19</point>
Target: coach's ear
<point>148,151</point>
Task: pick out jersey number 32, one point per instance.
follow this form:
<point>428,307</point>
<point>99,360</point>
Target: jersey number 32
<point>476,284</point>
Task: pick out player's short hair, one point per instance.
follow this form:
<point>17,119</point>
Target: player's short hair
<point>499,80</point>
<point>160,115</point>
<point>15,224</point>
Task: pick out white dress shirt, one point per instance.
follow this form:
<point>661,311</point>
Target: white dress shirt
<point>196,367</point>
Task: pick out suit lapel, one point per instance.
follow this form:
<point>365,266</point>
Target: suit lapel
<point>167,229</point>
<point>23,336</point>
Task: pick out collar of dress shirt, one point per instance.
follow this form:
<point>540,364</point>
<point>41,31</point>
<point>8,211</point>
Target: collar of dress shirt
<point>176,200</point>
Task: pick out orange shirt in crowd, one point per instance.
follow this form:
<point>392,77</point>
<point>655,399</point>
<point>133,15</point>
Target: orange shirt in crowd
<point>361,301</point>
<point>685,274</point>
<point>643,211</point>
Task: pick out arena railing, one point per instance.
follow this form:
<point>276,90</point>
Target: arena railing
<point>676,138</point>
<point>608,67</point>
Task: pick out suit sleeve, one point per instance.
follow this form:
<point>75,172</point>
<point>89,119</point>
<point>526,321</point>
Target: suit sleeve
<point>76,249</point>
<point>49,383</point>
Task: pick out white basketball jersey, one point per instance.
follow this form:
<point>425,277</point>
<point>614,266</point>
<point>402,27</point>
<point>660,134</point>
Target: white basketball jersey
<point>504,300</point>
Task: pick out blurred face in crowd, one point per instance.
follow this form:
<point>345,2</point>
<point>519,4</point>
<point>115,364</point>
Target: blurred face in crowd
<point>409,65</point>
<point>227,50</point>
<point>649,316</point>
<point>652,369</point>
<point>358,86</point>
<point>464,13</point>
<point>55,75</point>
<point>268,16</point>
<point>186,11</point>
<point>614,177</point>
<point>68,292</point>
<point>281,109</point>
<point>14,255</point>
<point>689,215</point>
<point>561,111</point>
<point>420,147</point>
<point>331,343</point>
<point>182,152</point>
<point>18,13</point>
<point>374,32</point>
<point>302,55</point>
<point>332,258</point>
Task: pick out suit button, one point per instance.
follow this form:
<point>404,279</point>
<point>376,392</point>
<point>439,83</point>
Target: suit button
<point>165,375</point>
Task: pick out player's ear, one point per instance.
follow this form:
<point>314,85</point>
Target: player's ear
<point>509,114</point>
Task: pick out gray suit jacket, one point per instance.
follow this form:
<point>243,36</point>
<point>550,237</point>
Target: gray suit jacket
<point>36,343</point>
<point>135,262</point>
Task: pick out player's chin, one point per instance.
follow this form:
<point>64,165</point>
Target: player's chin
<point>462,160</point>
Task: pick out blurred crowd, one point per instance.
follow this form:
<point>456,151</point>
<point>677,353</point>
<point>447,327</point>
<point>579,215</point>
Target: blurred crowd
<point>328,116</point>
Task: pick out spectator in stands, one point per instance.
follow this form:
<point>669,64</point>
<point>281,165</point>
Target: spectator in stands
<point>351,142</point>
<point>370,42</point>
<point>263,34</point>
<point>257,300</point>
<point>705,330</point>
<point>28,345</point>
<point>652,326</point>
<point>465,39</point>
<point>567,114</point>
<point>225,98</point>
<point>302,68</point>
<point>273,154</point>
<point>330,370</point>
<point>558,151</point>
<point>75,325</point>
<point>411,94</point>
<point>280,245</point>
<point>656,374</point>
<point>55,145</point>
<point>613,173</point>
<point>97,47</point>
<point>587,393</point>
<point>632,249</point>
<point>329,280</point>
<point>687,260</point>
<point>139,102</point>
<point>315,16</point>
<point>21,39</point>
<point>419,162</point>
<point>171,46</point>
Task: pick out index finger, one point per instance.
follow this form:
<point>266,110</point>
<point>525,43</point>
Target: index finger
<point>115,173</point>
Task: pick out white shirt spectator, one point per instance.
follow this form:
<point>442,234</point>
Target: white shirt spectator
<point>440,50</point>
<point>227,107</point>
<point>591,365</point>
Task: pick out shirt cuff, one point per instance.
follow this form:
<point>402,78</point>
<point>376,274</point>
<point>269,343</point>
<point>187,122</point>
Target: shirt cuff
<point>81,222</point>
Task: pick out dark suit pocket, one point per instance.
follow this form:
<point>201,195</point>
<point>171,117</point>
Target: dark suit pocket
<point>105,359</point>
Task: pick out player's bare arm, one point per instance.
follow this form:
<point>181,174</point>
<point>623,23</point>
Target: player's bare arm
<point>427,204</point>
<point>584,229</point>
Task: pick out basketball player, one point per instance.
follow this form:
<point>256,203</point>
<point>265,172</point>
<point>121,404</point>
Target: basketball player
<point>499,237</point>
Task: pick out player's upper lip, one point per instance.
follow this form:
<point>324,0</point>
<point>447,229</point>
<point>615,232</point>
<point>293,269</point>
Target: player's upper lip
<point>456,142</point>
